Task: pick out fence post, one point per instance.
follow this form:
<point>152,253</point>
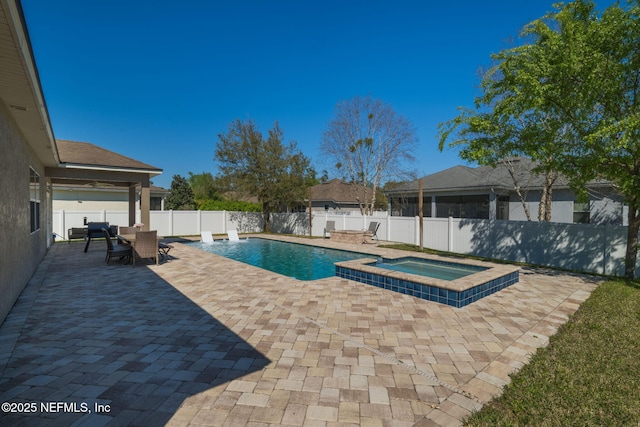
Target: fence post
<point>450,232</point>
<point>605,247</point>
<point>416,238</point>
<point>388,238</point>
<point>326,218</point>
<point>63,222</point>
<point>224,222</point>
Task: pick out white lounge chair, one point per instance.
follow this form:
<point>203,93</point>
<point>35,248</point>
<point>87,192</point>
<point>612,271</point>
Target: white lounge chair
<point>206,237</point>
<point>233,236</point>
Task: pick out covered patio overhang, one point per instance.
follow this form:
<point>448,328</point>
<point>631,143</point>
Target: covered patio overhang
<point>82,163</point>
<point>109,178</point>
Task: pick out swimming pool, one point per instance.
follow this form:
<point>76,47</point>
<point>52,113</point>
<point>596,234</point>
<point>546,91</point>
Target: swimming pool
<point>302,262</point>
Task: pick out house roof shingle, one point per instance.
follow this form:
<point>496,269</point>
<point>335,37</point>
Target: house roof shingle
<point>460,177</point>
<point>336,191</point>
<point>84,153</point>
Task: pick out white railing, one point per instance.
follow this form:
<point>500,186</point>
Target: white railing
<point>582,247</point>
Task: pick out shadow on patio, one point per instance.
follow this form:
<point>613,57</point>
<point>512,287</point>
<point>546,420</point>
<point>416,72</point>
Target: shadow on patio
<point>110,335</point>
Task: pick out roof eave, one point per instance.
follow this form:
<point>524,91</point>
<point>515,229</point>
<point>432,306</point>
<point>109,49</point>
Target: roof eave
<point>24,98</point>
<point>150,172</point>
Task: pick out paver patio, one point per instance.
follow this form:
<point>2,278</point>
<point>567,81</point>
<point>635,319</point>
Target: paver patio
<point>204,340</point>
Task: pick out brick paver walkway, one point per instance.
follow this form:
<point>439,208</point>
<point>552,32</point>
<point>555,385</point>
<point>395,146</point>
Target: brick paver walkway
<point>203,340</point>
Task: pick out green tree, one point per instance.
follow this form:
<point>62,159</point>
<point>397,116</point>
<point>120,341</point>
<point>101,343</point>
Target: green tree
<point>204,187</point>
<point>508,122</point>
<point>569,98</point>
<point>180,196</point>
<point>274,172</point>
<point>230,205</point>
<point>369,143</point>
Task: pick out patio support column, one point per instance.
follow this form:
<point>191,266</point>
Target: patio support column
<point>132,204</point>
<point>145,203</point>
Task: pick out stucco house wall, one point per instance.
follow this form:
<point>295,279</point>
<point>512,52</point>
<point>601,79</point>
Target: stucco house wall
<point>605,208</point>
<point>561,206</point>
<point>21,251</point>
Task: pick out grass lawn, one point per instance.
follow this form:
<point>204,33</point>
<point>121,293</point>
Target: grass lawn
<point>588,375</point>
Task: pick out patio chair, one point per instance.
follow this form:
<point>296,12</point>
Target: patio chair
<point>373,229</point>
<point>146,245</point>
<point>116,250</point>
<point>206,237</point>
<point>329,227</point>
<point>163,250</point>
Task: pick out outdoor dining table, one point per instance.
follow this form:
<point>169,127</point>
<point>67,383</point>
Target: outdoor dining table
<point>131,238</point>
<point>163,249</point>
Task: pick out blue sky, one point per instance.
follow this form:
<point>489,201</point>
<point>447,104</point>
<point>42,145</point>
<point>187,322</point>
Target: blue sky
<point>159,80</point>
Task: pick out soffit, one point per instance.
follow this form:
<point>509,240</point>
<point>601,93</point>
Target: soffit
<point>20,89</point>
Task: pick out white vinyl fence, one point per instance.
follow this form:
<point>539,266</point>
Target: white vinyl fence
<point>582,247</point>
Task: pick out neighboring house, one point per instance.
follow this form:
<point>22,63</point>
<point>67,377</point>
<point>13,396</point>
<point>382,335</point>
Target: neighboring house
<point>489,193</point>
<point>33,162</point>
<point>336,196</point>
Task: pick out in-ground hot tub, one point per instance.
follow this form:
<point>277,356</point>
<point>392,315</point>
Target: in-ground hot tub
<point>429,268</point>
<point>434,279</point>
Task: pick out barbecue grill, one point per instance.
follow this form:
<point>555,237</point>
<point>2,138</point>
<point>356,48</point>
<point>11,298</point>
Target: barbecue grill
<point>94,230</point>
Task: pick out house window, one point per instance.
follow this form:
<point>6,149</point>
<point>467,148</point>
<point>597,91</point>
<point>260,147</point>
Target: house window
<point>155,203</point>
<point>476,207</point>
<point>502,207</point>
<point>34,200</point>
<point>408,206</point>
<point>581,213</point>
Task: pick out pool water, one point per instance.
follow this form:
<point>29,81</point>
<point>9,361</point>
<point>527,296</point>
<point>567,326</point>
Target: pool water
<point>429,268</point>
<point>302,262</point>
